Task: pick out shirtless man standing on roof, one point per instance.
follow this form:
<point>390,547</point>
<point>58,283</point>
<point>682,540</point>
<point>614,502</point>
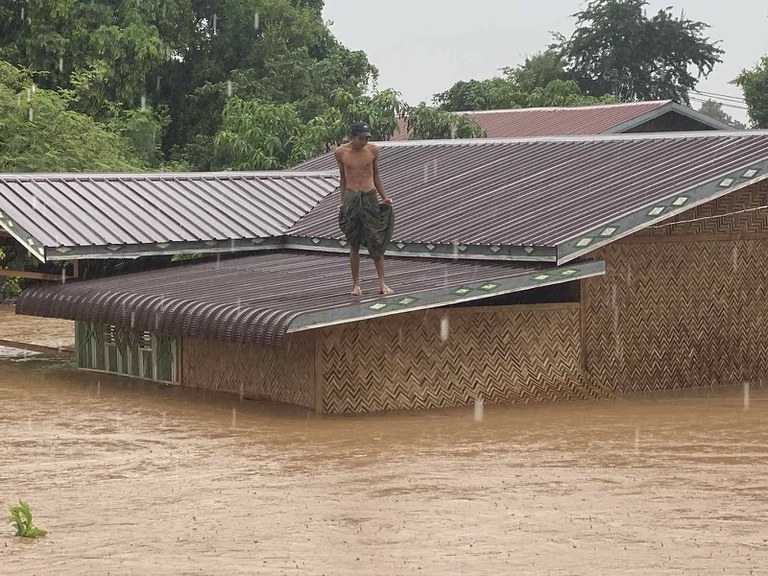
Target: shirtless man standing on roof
<point>364,221</point>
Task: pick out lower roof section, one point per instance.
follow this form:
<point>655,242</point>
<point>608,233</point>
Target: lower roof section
<point>258,299</point>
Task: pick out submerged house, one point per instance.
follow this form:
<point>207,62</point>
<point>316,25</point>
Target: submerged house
<point>624,118</point>
<point>525,269</point>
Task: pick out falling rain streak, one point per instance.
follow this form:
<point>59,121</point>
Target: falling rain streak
<point>444,328</point>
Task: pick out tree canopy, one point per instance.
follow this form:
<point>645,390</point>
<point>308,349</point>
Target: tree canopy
<point>617,48</point>
<point>540,81</point>
<point>754,83</point>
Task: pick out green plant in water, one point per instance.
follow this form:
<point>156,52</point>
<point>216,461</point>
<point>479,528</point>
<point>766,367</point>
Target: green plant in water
<point>21,519</point>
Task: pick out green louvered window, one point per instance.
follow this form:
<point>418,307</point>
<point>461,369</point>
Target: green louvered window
<point>107,348</point>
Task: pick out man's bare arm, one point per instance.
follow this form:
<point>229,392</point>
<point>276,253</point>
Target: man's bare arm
<point>377,178</point>
<point>342,177</point>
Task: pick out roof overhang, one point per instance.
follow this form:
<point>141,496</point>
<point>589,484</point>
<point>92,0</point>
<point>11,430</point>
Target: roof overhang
<point>658,212</point>
<point>260,298</point>
<point>666,109</point>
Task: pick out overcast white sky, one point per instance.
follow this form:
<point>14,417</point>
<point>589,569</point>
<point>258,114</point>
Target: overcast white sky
<point>422,47</point>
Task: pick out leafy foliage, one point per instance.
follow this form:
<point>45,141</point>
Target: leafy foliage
<point>540,81</point>
<point>21,519</point>
<point>616,48</point>
<point>39,133</point>
<point>426,123</point>
<point>754,83</point>
<point>715,110</point>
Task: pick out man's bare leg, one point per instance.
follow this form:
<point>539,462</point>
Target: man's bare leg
<point>354,265</point>
<point>383,288</point>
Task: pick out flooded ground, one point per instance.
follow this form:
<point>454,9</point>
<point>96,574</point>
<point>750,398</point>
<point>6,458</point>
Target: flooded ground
<point>33,331</point>
<point>133,478</point>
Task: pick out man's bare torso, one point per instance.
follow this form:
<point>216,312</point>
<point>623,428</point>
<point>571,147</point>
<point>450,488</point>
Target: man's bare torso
<point>358,166</point>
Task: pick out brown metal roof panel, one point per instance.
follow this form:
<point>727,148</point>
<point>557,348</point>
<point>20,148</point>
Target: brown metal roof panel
<point>134,209</point>
<point>257,298</point>
<point>554,121</point>
<point>538,192</point>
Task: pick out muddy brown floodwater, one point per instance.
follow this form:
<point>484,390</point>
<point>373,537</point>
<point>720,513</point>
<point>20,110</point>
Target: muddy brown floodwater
<point>136,478</point>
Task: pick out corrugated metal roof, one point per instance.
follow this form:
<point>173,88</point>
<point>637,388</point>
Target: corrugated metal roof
<point>546,192</point>
<point>48,211</point>
<point>573,120</point>
<point>259,298</point>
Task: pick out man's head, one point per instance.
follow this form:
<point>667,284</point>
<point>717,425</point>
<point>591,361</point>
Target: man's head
<point>360,132</point>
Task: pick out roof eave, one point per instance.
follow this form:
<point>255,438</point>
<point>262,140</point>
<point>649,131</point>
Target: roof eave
<point>665,109</point>
<point>653,214</point>
<point>447,296</point>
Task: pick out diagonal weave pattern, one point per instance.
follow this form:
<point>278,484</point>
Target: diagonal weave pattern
<point>682,314</point>
<point>279,374</point>
<point>510,354</point>
<point>721,216</point>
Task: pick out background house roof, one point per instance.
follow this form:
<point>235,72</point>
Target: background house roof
<point>259,298</point>
<point>546,198</point>
<point>68,216</point>
<point>581,120</point>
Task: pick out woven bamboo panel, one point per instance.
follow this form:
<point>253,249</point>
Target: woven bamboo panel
<point>505,354</point>
<point>740,212</point>
<point>279,374</point>
<point>678,315</point>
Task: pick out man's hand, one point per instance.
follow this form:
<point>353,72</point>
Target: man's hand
<point>341,206</point>
<point>387,200</point>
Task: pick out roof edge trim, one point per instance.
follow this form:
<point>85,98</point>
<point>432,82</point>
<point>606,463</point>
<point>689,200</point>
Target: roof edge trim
<point>467,292</point>
<point>661,211</point>
<point>670,107</point>
<point>456,251</point>
<point>32,244</point>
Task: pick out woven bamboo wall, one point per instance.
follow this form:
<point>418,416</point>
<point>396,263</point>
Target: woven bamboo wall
<point>685,305</point>
<point>279,374</point>
<point>505,354</point>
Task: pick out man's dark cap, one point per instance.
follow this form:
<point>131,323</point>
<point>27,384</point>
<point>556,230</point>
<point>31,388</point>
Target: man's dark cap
<point>360,129</point>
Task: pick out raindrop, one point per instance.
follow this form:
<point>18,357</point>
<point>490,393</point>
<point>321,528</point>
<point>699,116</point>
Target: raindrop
<point>215,18</point>
<point>242,390</point>
<point>63,280</point>
<point>143,102</point>
<point>164,6</point>
<point>256,20</point>
<point>157,84</point>
<point>98,388</point>
<point>444,328</point>
<point>426,173</point>
<point>61,64</point>
<point>479,409</point>
<point>746,395</point>
<point>22,13</point>
<point>218,260</point>
<point>229,88</point>
<point>231,244</point>
<point>133,319</point>
<point>31,114</point>
<point>455,249</point>
<point>34,202</point>
<point>234,417</point>
<point>29,94</point>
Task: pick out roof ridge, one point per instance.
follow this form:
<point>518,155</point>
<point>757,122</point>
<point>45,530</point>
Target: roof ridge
<point>658,103</point>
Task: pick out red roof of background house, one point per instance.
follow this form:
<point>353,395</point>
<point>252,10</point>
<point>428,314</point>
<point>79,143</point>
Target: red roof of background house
<point>574,120</point>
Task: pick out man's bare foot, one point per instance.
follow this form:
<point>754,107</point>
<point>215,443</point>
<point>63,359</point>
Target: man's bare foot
<point>356,290</point>
<point>385,290</point>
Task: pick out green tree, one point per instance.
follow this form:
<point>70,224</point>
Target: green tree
<point>429,123</point>
<point>715,110</point>
<point>540,81</point>
<point>259,135</point>
<point>39,133</point>
<point>617,48</point>
<point>754,83</point>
